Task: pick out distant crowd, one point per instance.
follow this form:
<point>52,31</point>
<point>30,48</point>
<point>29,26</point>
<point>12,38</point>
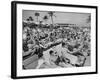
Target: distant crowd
<point>77,39</point>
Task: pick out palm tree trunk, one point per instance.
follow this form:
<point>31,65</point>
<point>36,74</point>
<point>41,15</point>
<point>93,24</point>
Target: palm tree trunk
<point>52,20</point>
<point>37,18</point>
<point>52,23</point>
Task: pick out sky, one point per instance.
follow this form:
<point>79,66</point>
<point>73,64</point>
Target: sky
<point>60,17</point>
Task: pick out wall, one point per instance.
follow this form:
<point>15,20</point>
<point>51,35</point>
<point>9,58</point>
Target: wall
<point>5,39</point>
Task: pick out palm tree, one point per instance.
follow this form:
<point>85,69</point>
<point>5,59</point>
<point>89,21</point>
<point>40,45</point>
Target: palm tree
<point>89,19</point>
<point>37,15</point>
<point>51,14</point>
<point>45,18</point>
<point>30,18</point>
